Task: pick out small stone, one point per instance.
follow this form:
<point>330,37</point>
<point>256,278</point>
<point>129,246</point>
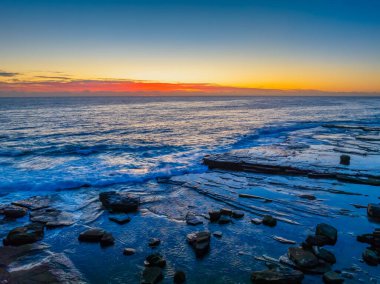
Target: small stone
<point>237,214</point>
<point>302,258</point>
<point>373,210</point>
<point>332,277</point>
<point>370,257</point>
<point>129,251</point>
<point>14,212</point>
<point>154,242</point>
<point>91,235</point>
<point>218,234</point>
<point>179,277</point>
<point>107,240</point>
<point>214,215</point>
<point>119,220</point>
<point>345,160</point>
<point>224,219</point>
<point>328,231</point>
<point>269,221</point>
<point>226,211</point>
<point>152,275</point>
<point>256,221</point>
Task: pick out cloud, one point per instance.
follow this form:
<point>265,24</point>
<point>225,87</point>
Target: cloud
<point>53,77</point>
<point>8,74</point>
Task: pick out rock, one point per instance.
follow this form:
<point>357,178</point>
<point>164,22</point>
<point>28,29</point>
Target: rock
<point>179,277</point>
<point>256,221</point>
<point>373,210</point>
<point>14,212</point>
<point>200,241</point>
<point>302,258</point>
<point>9,254</point>
<point>120,220</point>
<point>151,275</point>
<point>154,242</point>
<point>214,216</point>
<point>277,276</point>
<point>328,231</point>
<point>365,238</point>
<point>155,259</point>
<point>324,254</point>
<point>317,240</point>
<point>332,277</point>
<point>51,217</point>
<point>119,202</point>
<point>370,257</point>
<point>24,235</point>
<point>237,214</point>
<point>34,202</point>
<point>345,160</point>
<point>91,235</point>
<point>224,219</point>
<point>193,220</point>
<point>129,251</point>
<point>226,211</point>
<point>107,240</point>
<point>218,234</point>
<point>307,196</point>
<point>269,221</point>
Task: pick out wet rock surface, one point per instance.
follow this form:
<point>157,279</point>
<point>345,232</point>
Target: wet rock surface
<point>51,217</point>
<point>119,201</point>
<point>14,212</point>
<point>25,235</point>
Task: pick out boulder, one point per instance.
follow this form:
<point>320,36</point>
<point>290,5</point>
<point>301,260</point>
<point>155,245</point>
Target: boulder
<point>91,235</point>
<point>154,242</point>
<point>129,251</point>
<point>332,277</point>
<point>269,221</point>
<point>107,240</point>
<point>14,212</point>
<point>51,217</point>
<point>373,210</point>
<point>120,220</point>
<point>237,214</point>
<point>327,231</point>
<point>277,276</point>
<point>345,160</point>
<point>370,257</point>
<point>119,202</point>
<point>179,277</point>
<point>316,240</point>
<point>324,254</point>
<point>155,259</point>
<point>214,216</point>
<point>151,275</point>
<point>200,241</point>
<point>192,219</point>
<point>25,235</point>
<point>302,258</point>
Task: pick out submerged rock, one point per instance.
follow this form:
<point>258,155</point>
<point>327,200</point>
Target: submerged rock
<point>237,214</point>
<point>151,275</point>
<point>373,210</point>
<point>302,258</point>
<point>307,196</point>
<point>154,242</point>
<point>107,240</point>
<point>332,277</point>
<point>283,240</point>
<point>345,160</point>
<point>51,217</point>
<point>327,231</point>
<point>277,276</point>
<point>200,241</point>
<point>120,220</point>
<point>179,277</point>
<point>269,221</point>
<point>14,212</point>
<point>155,259</point>
<point>25,235</point>
<point>193,220</point>
<point>119,202</point>
<point>371,257</point>
<point>214,216</point>
<point>129,251</point>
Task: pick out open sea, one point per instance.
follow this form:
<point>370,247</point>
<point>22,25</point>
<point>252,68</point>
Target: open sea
<point>61,143</point>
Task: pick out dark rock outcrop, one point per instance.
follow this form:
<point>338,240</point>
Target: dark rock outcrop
<point>91,235</point>
<point>370,257</point>
<point>327,231</point>
<point>214,216</point>
<point>237,214</point>
<point>373,210</point>
<point>14,212</point>
<point>269,221</point>
<point>119,202</point>
<point>200,241</point>
<point>155,259</point>
<point>129,251</point>
<point>302,258</point>
<point>25,235</point>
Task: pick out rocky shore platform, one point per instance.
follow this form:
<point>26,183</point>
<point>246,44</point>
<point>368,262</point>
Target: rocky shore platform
<point>300,207</point>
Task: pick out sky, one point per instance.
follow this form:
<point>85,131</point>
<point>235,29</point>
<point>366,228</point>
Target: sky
<point>189,47</point>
